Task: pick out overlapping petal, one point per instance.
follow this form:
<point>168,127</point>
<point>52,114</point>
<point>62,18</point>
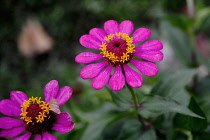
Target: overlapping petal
<point>153,56</point>
<point>51,90</point>
<point>146,68</point>
<point>37,137</point>
<point>98,33</point>
<point>133,78</point>
<point>92,70</point>
<point>18,96</point>
<point>25,136</point>
<point>8,122</point>
<point>102,78</point>
<point>64,95</point>
<point>87,57</point>
<point>126,27</point>
<point>10,108</point>
<point>140,35</point>
<point>90,41</point>
<point>63,129</point>
<point>117,81</point>
<point>111,27</point>
<point>12,132</point>
<point>48,136</point>
<point>64,119</point>
<point>152,45</point>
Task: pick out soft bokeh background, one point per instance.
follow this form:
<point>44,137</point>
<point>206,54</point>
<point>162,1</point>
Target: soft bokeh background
<point>40,39</point>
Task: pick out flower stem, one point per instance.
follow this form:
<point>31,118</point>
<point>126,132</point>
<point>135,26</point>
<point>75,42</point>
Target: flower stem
<point>135,100</point>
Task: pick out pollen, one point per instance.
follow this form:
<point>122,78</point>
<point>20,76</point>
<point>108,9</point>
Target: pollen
<point>117,48</point>
<point>34,110</point>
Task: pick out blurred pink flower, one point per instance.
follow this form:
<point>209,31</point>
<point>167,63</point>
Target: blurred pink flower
<point>116,50</point>
<point>38,118</point>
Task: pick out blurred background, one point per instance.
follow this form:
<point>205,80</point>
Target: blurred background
<point>40,39</point>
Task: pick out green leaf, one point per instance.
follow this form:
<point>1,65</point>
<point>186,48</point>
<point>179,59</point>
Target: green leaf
<point>172,84</point>
<point>179,41</point>
<point>154,106</point>
<point>189,122</point>
<point>122,99</point>
<point>148,135</point>
<point>200,17</point>
<point>131,130</point>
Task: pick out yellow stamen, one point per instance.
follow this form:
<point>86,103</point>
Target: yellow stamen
<point>112,57</point>
<point>43,106</point>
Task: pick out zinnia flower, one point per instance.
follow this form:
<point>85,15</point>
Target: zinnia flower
<point>116,50</point>
<point>33,117</point>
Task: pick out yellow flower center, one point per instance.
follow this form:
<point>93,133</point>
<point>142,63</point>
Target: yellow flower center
<point>117,48</point>
<point>34,110</point>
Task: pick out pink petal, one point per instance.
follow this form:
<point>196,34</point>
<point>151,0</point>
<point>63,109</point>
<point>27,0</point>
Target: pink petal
<point>87,57</point>
<point>64,95</point>
<point>10,108</point>
<point>111,27</point>
<point>146,68</point>
<point>133,78</point>
<point>63,118</point>
<point>37,137</point>
<point>92,70</point>
<point>12,132</point>
<point>102,78</point>
<point>98,33</point>
<point>48,136</point>
<point>153,56</point>
<point>51,90</point>
<point>63,129</point>
<point>26,136</point>
<point>152,45</point>
<point>90,41</point>
<point>18,97</point>
<point>126,27</point>
<point>8,123</point>
<point>141,34</point>
<point>117,81</point>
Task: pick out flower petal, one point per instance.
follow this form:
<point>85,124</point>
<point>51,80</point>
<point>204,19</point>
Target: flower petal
<point>153,56</point>
<point>111,27</point>
<point>146,68</point>
<point>51,90</point>
<point>98,33</point>
<point>87,57</point>
<point>18,96</point>
<point>92,70</point>
<point>63,129</point>
<point>12,132</point>
<point>90,41</point>
<point>37,137</point>
<point>133,78</point>
<point>152,45</point>
<point>26,136</point>
<point>117,81</point>
<point>63,118</point>
<point>48,136</point>
<point>63,95</point>
<point>140,35</point>
<point>126,27</point>
<point>8,123</point>
<point>10,108</point>
<point>102,78</point>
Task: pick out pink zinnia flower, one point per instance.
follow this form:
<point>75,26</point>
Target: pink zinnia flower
<point>116,50</point>
<point>37,117</point>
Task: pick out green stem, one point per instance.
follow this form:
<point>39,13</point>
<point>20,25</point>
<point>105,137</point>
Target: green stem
<point>135,100</point>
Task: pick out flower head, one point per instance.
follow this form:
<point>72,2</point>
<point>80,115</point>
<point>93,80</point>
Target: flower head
<point>36,117</point>
<point>117,50</point>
